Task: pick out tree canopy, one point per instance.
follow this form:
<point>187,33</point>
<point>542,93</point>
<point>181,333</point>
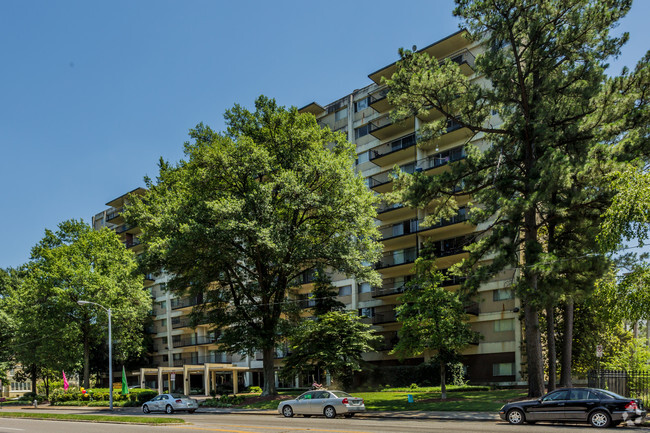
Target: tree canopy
<point>553,125</point>
<point>68,265</point>
<point>248,212</point>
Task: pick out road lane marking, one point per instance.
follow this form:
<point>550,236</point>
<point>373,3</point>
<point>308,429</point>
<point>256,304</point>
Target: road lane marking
<point>310,429</point>
<point>9,428</point>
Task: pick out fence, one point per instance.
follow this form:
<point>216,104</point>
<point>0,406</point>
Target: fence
<point>632,383</point>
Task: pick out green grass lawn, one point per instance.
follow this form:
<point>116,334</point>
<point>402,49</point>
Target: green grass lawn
<point>95,418</point>
<point>457,400</point>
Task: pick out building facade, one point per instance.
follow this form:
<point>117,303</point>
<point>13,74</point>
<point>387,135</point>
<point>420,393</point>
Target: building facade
<point>363,115</point>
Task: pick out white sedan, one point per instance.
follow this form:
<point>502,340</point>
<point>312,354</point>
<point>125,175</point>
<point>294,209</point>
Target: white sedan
<point>169,403</point>
<point>327,403</point>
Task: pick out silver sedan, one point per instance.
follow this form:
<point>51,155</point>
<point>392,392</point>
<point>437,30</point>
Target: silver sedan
<point>169,403</point>
<point>328,403</point>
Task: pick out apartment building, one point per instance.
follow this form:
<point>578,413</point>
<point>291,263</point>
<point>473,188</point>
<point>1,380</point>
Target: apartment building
<point>382,145</point>
<point>188,359</point>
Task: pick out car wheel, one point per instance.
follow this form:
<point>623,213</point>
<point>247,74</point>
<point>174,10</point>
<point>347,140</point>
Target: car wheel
<point>516,417</point>
<point>600,419</point>
<point>287,411</point>
<point>169,409</point>
<point>145,409</point>
<point>329,412</point>
<point>348,415</point>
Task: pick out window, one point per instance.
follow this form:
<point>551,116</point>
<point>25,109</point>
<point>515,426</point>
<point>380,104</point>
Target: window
<point>163,323</point>
<point>362,131</point>
<point>366,312</point>
<point>165,358</point>
<point>502,295</point>
<point>558,395</point>
<point>363,157</point>
<point>362,104</point>
<point>341,114</point>
<point>162,305</point>
<point>504,325</point>
<point>345,291</point>
<point>176,339</point>
<point>364,288</point>
<point>503,369</point>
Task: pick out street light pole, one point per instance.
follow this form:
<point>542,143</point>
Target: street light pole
<point>110,351</point>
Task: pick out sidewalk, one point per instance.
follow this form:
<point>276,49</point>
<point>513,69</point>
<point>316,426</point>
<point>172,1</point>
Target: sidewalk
<point>409,414</point>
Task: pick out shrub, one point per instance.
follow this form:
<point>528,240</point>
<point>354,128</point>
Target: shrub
<point>414,386</point>
<point>254,389</point>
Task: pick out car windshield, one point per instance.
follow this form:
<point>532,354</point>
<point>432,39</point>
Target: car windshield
<point>341,394</point>
<point>612,394</point>
<point>178,396</point>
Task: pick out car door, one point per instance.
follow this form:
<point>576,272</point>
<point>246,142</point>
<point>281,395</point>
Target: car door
<point>303,402</point>
<point>154,404</point>
<point>162,404</point>
<point>581,402</point>
<point>550,407</point>
<point>318,402</point>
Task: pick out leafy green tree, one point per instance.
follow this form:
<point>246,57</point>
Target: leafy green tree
<point>248,211</point>
<point>334,342</point>
<point>549,146</point>
<point>433,318</point>
<point>72,264</point>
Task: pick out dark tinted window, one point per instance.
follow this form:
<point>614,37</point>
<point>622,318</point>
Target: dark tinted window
<point>582,394</point>
<point>322,394</point>
<point>558,395</point>
<point>611,395</point>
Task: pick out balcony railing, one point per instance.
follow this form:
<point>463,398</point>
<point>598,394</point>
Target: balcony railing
<point>397,257</point>
<point>113,214</point>
<point>194,341</point>
<point>200,360</point>
<point>378,96</point>
<point>306,277</point>
<point>449,247</point>
<point>442,158</point>
<point>384,207</point>
<point>132,243</point>
<point>399,229</point>
<point>472,308</point>
<point>393,146</point>
<point>387,316</point>
<point>186,302</point>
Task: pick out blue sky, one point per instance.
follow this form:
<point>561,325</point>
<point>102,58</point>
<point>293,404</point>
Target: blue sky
<point>94,93</point>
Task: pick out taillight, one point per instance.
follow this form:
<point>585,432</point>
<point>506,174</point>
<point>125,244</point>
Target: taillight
<point>345,400</point>
<point>631,406</point>
<point>179,401</point>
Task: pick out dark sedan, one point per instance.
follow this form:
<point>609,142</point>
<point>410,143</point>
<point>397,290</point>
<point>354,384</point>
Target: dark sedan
<point>598,407</point>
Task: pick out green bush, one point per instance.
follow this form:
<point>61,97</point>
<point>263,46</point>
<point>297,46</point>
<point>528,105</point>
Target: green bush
<point>414,386</point>
<point>254,389</point>
<point>29,397</point>
<point>223,401</point>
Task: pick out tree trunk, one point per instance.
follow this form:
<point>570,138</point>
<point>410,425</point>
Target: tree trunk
<point>268,355</point>
<point>86,341</point>
<point>34,376</point>
<point>443,384</point>
<point>552,353</point>
<point>567,349</point>
<point>534,353</point>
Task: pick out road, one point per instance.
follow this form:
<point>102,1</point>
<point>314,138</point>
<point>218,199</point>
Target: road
<point>246,423</point>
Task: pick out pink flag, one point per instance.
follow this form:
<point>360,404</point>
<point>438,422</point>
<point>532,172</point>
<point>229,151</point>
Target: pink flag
<point>65,382</point>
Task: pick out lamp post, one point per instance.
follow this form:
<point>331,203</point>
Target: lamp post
<point>110,351</point>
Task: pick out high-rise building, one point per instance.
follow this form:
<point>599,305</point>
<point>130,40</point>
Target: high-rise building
<point>363,115</point>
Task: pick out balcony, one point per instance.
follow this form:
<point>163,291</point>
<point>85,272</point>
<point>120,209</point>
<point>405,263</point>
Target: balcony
<point>186,302</point>
<point>201,360</point>
<point>390,341</point>
<point>385,316</point>
<point>455,132</point>
<point>114,214</point>
<point>472,308</point>
<point>450,247</point>
<point>393,151</point>
<point>194,341</point>
<point>399,229</point>
<point>379,100</point>
<point>131,243</point>
<point>451,280</point>
<point>460,217</point>
<point>384,128</point>
<point>441,159</point>
<point>396,258</point>
<point>307,277</point>
<point>451,46</point>
<point>391,286</point>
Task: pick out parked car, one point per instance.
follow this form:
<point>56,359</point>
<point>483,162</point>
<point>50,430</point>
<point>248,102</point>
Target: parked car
<point>322,402</point>
<point>598,407</point>
<point>170,403</point>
